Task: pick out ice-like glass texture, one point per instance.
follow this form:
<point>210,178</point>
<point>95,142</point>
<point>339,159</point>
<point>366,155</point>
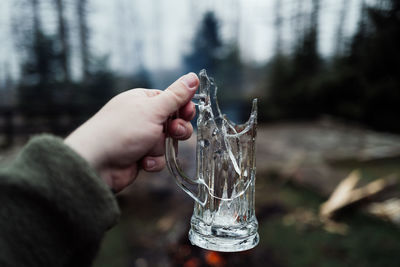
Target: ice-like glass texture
<point>223,217</point>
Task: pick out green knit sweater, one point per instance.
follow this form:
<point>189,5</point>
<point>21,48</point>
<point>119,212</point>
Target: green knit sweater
<point>54,209</point>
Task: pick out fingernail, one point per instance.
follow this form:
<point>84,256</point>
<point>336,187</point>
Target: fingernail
<point>150,163</point>
<point>180,130</point>
<point>190,80</point>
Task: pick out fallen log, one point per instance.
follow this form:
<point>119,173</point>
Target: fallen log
<point>347,194</point>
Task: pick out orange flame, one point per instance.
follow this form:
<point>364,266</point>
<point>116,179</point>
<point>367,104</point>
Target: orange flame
<point>214,259</point>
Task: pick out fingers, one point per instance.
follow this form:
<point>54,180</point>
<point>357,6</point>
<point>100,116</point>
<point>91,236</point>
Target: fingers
<point>153,164</point>
<point>159,147</point>
<point>178,94</point>
<point>188,111</point>
<point>180,129</point>
<point>119,177</point>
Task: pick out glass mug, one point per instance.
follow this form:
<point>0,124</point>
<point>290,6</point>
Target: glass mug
<point>223,189</point>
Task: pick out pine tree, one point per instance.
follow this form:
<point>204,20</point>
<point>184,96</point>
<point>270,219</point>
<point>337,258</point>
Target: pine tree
<point>206,46</point>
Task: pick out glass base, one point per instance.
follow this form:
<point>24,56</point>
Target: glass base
<point>223,244</point>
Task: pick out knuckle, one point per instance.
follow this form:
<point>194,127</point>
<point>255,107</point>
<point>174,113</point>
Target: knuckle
<point>179,91</point>
<point>173,98</point>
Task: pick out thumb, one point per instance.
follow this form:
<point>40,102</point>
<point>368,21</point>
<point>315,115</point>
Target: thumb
<point>178,94</point>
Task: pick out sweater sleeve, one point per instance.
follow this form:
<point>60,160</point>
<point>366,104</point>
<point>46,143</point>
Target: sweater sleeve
<point>54,209</point>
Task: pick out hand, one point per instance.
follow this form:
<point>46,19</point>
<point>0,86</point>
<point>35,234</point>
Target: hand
<point>128,131</point>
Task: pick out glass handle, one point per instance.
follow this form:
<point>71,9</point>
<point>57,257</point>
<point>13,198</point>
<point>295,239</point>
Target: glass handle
<point>192,186</point>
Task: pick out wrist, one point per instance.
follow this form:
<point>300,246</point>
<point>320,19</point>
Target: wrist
<point>82,148</point>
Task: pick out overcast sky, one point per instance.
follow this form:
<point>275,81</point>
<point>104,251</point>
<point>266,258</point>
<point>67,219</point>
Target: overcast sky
<point>157,33</point>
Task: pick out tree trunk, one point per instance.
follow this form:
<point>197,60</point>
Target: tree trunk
<point>63,35</point>
<point>298,24</point>
<point>37,44</point>
<point>341,23</point>
<point>313,30</point>
<point>315,15</point>
<point>36,19</point>
<point>83,36</point>
<point>278,27</point>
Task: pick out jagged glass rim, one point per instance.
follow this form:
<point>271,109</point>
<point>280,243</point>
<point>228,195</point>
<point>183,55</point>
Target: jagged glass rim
<point>208,82</point>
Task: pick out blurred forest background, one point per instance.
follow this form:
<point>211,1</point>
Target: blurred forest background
<point>51,68</point>
<point>326,72</point>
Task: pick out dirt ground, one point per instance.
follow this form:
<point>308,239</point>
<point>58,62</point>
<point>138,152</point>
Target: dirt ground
<point>298,167</point>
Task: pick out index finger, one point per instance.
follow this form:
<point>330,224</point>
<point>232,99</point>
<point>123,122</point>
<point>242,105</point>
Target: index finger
<point>188,111</point>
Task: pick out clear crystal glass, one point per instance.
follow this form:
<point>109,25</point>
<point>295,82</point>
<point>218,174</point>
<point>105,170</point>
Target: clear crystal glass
<point>223,189</point>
